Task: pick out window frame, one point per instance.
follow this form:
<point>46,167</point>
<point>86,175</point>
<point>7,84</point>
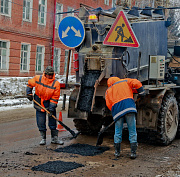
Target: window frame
<point>66,61</point>
<point>58,60</point>
<point>106,2</point>
<point>114,3</point>
<point>28,57</point>
<point>43,57</point>
<point>59,17</point>
<point>7,55</point>
<point>9,8</point>
<point>30,11</point>
<point>68,9</point>
<point>39,13</point>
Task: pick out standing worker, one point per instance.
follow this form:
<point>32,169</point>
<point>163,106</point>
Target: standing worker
<point>47,92</point>
<point>119,99</point>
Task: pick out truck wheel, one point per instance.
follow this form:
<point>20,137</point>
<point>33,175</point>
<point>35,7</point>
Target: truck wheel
<point>168,120</point>
<point>91,126</point>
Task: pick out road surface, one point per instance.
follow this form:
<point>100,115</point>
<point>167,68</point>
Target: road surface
<point>20,151</point>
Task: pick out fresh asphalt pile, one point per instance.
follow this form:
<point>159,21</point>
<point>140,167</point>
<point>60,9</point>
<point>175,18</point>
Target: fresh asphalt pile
<point>87,90</point>
<point>57,167</point>
<point>83,149</point>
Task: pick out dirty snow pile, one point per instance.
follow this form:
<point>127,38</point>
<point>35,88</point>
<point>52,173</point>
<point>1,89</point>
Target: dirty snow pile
<point>13,90</point>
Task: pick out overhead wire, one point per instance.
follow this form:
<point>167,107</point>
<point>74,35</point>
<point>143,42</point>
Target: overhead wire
<point>92,9</point>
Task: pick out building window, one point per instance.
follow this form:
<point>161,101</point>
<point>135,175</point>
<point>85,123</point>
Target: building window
<point>113,3</point>
<point>69,10</point>
<point>4,55</point>
<point>59,9</point>
<point>42,12</point>
<point>27,10</point>
<point>106,2</point>
<point>56,60</point>
<point>40,58</point>
<point>25,57</point>
<point>66,62</point>
<point>6,7</point>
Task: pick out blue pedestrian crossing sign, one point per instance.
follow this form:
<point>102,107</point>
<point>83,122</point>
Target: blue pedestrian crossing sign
<point>71,31</point>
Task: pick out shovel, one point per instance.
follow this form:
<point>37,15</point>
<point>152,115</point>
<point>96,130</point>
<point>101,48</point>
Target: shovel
<point>65,126</point>
<point>101,135</point>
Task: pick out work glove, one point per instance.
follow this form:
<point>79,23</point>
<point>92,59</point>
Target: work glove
<point>50,114</point>
<point>142,96</point>
<point>30,97</point>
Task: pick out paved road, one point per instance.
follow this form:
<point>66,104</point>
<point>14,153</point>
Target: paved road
<point>20,151</point>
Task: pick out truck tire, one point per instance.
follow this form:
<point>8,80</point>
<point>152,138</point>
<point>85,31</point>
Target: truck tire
<point>168,118</point>
<point>91,126</point>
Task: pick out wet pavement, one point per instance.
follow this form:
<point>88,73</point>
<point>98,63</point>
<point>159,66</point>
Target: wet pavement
<point>21,154</point>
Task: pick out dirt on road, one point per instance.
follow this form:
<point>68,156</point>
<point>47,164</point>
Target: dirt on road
<point>20,152</point>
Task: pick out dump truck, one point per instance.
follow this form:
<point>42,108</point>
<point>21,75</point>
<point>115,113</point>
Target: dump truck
<point>95,61</point>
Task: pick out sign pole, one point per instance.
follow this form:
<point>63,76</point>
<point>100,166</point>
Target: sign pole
<point>67,74</point>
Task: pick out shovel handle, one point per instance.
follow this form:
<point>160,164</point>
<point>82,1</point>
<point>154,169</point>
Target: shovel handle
<point>103,130</point>
<point>65,126</point>
<point>44,109</point>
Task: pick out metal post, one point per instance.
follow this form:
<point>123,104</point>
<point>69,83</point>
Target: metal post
<point>67,73</point>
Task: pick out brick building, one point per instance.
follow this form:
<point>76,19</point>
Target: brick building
<point>26,35</point>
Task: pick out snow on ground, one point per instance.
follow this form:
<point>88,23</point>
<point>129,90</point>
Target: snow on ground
<point>13,91</point>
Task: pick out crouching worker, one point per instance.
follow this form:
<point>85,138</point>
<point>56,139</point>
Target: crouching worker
<point>47,92</point>
<point>119,99</point>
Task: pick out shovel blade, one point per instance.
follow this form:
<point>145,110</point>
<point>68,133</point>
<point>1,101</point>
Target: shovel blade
<point>100,139</point>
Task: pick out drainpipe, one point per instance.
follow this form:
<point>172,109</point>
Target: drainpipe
<point>52,57</point>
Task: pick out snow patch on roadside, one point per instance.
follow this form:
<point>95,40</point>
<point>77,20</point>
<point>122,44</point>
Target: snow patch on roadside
<point>13,91</point>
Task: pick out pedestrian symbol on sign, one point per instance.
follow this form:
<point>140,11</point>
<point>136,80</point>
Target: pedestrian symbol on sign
<point>121,33</point>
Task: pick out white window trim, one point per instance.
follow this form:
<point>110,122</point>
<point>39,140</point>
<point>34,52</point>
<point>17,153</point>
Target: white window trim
<point>59,59</point>
<point>31,7</point>
<point>57,25</point>
<point>113,3</point>
<point>43,55</point>
<point>9,5</point>
<point>106,2</point>
<point>45,14</point>
<point>7,55</point>
<point>70,14</point>
<point>28,57</point>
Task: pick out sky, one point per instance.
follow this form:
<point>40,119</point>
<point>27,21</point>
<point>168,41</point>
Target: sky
<point>13,91</point>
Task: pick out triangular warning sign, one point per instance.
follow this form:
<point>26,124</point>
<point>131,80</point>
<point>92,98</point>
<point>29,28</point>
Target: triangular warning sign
<point>121,33</point>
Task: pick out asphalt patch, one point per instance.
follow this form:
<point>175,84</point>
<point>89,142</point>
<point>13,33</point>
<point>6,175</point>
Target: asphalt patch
<point>83,149</point>
<point>57,167</point>
<point>30,153</point>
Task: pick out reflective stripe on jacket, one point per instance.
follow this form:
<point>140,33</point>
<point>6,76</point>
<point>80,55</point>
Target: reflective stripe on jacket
<point>119,95</point>
<point>47,91</point>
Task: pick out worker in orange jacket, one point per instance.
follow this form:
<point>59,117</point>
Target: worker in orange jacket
<point>47,93</point>
<point>119,99</point>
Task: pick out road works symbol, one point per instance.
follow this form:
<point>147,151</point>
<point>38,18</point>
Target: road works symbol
<point>121,33</point>
<point>71,31</point>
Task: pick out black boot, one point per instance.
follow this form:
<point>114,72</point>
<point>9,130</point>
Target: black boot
<point>54,138</point>
<point>43,136</point>
<point>117,149</point>
<point>133,150</point>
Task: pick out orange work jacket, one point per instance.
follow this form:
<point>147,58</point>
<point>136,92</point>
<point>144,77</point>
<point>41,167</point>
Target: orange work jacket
<point>119,95</point>
<point>47,91</point>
